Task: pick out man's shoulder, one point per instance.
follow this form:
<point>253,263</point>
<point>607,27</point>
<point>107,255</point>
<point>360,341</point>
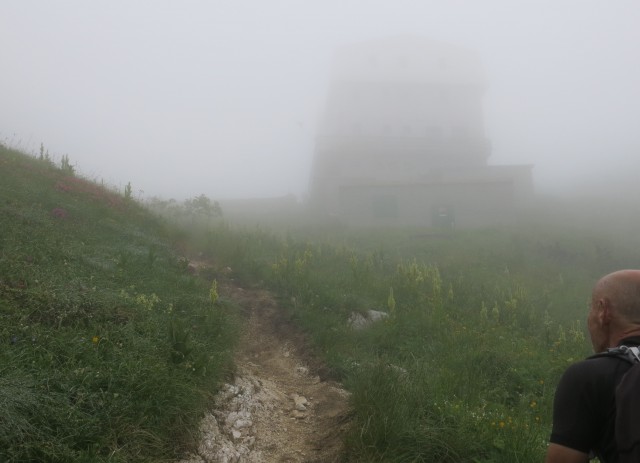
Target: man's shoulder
<point>604,365</point>
<point>624,352</point>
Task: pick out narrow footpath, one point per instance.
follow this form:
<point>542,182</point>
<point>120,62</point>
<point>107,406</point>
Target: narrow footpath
<point>277,409</point>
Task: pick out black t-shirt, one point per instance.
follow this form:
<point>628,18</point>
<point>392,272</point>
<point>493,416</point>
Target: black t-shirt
<point>584,405</point>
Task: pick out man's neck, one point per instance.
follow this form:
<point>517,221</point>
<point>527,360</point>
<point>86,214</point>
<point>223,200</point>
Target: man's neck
<point>627,333</point>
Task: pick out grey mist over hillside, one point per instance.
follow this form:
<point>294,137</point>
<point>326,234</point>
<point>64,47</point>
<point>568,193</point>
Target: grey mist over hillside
<point>226,98</point>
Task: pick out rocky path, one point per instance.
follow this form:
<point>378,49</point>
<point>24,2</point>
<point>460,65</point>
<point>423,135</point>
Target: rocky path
<point>277,409</point>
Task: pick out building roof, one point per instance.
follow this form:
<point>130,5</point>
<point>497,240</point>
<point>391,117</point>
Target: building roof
<point>408,59</point>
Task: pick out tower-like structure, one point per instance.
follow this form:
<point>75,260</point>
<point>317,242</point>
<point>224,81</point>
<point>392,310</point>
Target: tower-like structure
<point>402,139</point>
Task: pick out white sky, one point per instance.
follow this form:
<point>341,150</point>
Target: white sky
<point>221,97</point>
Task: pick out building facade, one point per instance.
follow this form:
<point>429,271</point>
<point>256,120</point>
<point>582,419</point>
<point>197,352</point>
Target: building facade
<point>402,140</point>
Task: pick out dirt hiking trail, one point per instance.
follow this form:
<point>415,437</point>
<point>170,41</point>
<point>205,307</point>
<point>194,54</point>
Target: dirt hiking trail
<point>278,408</point>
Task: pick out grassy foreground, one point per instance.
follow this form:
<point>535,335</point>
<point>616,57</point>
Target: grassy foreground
<point>480,325</point>
<point>109,348</point>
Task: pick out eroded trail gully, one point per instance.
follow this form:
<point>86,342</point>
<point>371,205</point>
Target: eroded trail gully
<point>277,409</point>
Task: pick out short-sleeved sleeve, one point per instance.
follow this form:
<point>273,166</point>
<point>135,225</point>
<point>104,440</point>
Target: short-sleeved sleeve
<point>576,419</point>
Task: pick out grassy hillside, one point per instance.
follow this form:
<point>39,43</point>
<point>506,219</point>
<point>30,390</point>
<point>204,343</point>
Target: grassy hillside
<point>109,348</point>
<point>481,324</point>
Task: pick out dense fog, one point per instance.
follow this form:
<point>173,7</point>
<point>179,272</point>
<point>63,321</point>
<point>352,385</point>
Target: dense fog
<point>224,97</point>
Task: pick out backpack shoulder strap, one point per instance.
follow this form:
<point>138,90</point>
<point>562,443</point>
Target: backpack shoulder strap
<point>627,410</point>
<point>634,351</point>
<point>629,353</point>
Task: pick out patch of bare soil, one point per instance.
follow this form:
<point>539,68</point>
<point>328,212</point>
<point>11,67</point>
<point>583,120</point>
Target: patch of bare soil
<point>278,408</point>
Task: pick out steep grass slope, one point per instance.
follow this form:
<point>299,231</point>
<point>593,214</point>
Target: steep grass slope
<point>109,348</point>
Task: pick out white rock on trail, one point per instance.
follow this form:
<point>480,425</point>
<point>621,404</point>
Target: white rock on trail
<point>299,402</point>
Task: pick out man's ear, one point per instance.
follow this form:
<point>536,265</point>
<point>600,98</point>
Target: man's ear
<point>605,312</point>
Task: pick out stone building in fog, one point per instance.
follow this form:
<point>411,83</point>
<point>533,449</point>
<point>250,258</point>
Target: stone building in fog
<point>402,140</point>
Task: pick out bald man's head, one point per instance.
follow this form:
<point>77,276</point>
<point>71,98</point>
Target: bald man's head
<point>621,290</point>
